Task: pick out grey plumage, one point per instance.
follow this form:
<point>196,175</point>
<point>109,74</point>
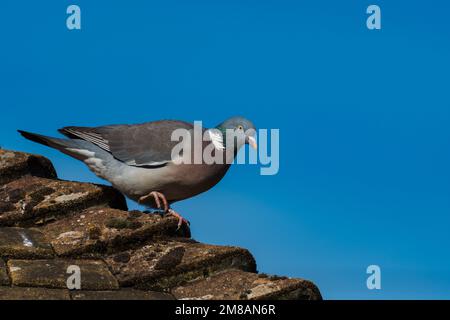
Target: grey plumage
<point>136,159</point>
<point>146,144</point>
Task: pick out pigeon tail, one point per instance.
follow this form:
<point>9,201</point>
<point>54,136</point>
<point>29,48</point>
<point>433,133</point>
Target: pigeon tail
<point>62,145</point>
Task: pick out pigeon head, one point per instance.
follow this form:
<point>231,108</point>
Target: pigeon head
<point>243,129</point>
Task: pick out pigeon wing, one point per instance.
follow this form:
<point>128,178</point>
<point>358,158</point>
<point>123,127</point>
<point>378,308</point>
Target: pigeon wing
<point>142,145</point>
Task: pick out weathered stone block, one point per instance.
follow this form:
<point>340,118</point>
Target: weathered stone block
<point>34,201</point>
<point>107,230</point>
<point>53,274</point>
<point>239,285</point>
<point>24,244</point>
<point>123,294</point>
<point>14,165</point>
<point>165,264</point>
<point>4,279</point>
<point>18,293</point>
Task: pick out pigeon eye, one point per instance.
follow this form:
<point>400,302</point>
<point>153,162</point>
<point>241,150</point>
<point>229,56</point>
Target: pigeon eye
<point>240,127</point>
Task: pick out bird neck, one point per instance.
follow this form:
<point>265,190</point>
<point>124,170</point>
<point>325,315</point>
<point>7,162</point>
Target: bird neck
<point>223,132</point>
<point>236,144</point>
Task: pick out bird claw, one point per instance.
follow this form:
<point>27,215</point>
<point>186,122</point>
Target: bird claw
<point>181,220</point>
<point>158,197</point>
<point>164,208</point>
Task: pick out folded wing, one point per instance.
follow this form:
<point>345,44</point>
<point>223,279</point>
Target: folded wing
<point>143,145</point>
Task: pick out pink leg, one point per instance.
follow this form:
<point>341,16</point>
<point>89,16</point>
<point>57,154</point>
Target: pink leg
<point>158,197</point>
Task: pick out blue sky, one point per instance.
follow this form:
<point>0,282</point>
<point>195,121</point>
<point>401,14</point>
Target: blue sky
<point>363,116</point>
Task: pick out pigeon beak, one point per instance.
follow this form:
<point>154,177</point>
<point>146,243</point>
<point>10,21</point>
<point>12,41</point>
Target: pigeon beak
<point>252,142</point>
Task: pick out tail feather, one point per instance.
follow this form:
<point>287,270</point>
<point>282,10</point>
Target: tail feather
<point>36,138</point>
<point>63,145</point>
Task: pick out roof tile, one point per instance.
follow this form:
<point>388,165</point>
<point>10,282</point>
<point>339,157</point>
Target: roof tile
<point>23,243</point>
<point>18,293</point>
<point>54,274</point>
<point>123,294</point>
<point>15,164</point>
<point>35,201</point>
<point>107,230</point>
<point>4,279</point>
<point>164,264</point>
<point>240,285</point>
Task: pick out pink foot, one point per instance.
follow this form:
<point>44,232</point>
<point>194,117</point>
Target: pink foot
<point>158,197</point>
<point>181,220</point>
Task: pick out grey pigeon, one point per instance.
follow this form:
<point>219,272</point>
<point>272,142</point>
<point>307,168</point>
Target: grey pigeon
<point>137,159</point>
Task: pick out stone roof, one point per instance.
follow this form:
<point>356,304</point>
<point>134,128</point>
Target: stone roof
<point>47,225</point>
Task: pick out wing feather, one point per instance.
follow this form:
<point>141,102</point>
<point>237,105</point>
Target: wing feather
<point>147,144</point>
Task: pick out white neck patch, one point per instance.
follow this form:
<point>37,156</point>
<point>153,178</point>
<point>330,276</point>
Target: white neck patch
<point>216,138</point>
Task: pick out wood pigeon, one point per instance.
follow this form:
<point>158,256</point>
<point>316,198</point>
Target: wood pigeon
<point>137,159</point>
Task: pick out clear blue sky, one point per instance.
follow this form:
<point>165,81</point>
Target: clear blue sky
<point>363,118</point>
